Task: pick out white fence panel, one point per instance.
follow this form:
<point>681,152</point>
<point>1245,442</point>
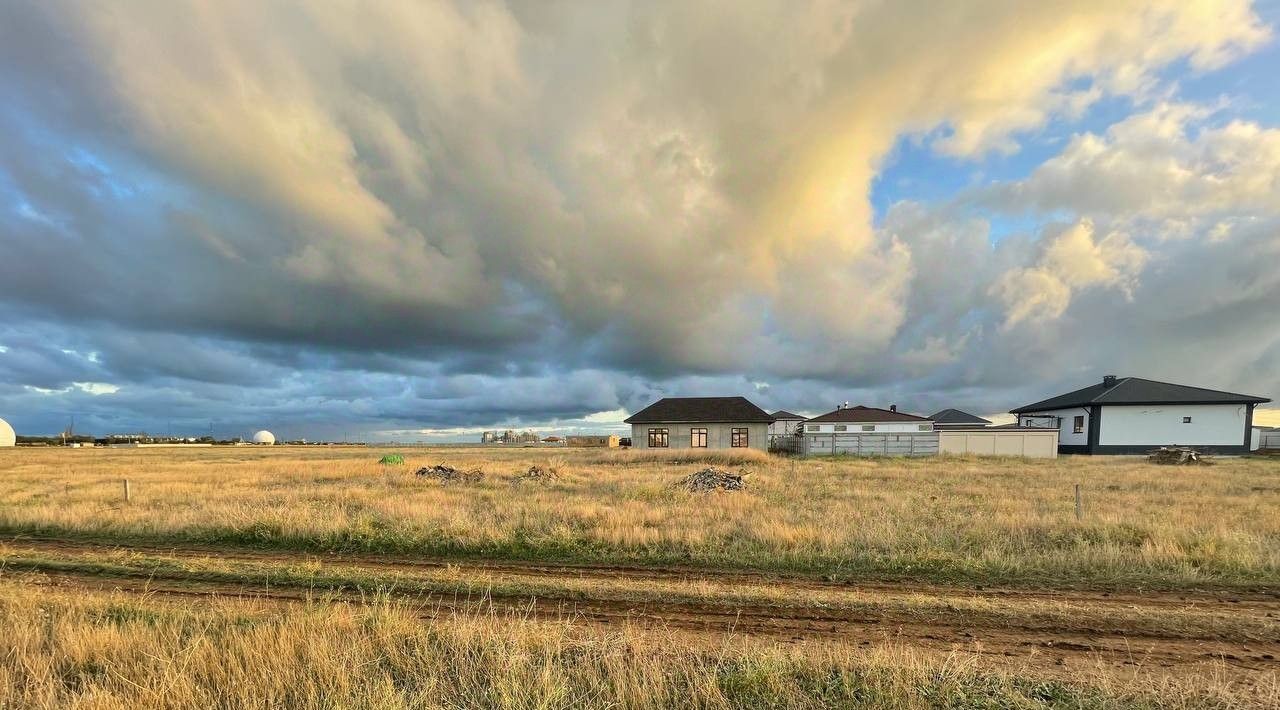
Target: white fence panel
<point>1028,443</point>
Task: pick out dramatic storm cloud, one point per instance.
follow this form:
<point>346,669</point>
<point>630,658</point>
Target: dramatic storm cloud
<point>415,216</point>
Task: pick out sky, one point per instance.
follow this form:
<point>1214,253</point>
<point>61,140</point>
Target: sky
<point>419,219</point>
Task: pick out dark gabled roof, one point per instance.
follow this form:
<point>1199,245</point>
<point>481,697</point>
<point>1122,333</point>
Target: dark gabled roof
<point>700,409</point>
<point>1135,390</point>
<point>955,416</point>
<point>784,414</point>
<point>866,414</point>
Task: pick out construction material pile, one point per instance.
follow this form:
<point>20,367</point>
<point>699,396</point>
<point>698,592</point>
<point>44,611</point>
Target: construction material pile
<point>1178,456</point>
<point>392,460</point>
<point>449,474</point>
<point>711,479</point>
<point>537,474</point>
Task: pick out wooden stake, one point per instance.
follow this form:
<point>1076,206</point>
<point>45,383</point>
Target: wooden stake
<point>128,492</point>
<point>1079,513</point>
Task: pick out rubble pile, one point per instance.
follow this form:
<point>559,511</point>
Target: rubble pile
<point>1178,456</point>
<point>449,474</point>
<point>711,479</point>
<point>537,474</point>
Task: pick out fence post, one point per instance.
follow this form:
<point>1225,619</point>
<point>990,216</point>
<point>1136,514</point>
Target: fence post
<point>1079,513</point>
<point>127,491</point>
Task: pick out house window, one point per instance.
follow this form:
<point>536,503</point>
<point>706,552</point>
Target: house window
<point>738,438</point>
<point>814,427</point>
<point>698,438</point>
<point>658,438</point>
<point>926,427</point>
<point>1186,420</point>
<point>841,427</point>
<point>1077,424</point>
<point>868,427</point>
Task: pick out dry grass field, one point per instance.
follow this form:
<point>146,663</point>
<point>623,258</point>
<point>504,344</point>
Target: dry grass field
<point>293,577</point>
<point>944,520</point>
<point>109,650</point>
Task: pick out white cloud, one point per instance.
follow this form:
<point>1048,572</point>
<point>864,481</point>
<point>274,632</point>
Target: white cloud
<point>613,416</point>
<point>97,388</point>
<point>1169,165</point>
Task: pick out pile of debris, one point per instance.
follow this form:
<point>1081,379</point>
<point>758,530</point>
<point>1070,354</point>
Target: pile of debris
<point>1178,456</point>
<point>537,474</point>
<point>711,479</point>
<point>449,474</point>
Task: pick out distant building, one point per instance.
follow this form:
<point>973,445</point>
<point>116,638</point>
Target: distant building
<point>607,441</point>
<point>785,423</point>
<point>867,420</point>
<point>956,419</point>
<point>509,437</point>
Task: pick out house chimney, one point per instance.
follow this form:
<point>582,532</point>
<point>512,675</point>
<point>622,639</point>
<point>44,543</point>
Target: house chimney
<point>893,408</point>
<point>1108,381</point>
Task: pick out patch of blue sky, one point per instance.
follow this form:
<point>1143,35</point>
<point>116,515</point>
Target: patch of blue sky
<point>914,171</point>
<point>1250,87</point>
<point>108,175</point>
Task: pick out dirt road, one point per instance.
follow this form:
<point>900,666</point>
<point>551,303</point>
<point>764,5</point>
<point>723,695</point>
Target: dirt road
<point>1098,627</point>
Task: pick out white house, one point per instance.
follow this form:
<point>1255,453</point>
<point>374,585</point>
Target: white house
<point>1130,415</point>
<point>784,423</point>
<point>868,420</point>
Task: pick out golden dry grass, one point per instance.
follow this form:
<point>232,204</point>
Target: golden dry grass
<point>110,651</point>
<point>943,519</point>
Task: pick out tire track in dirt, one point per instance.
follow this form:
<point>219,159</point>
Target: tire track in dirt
<point>1201,600</point>
<point>1058,650</point>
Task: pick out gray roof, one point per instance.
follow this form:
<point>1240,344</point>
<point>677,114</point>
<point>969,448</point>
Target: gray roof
<point>1135,390</point>
<point>700,409</point>
<point>866,414</point>
<point>784,414</point>
<point>955,416</point>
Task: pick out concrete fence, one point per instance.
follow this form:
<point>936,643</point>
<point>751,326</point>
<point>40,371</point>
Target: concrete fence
<point>1029,443</point>
<point>894,444</point>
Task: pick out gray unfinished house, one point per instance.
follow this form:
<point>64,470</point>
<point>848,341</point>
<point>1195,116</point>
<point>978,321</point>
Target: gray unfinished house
<point>700,423</point>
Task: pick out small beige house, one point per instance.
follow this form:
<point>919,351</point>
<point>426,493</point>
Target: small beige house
<point>607,441</point>
<point>700,423</point>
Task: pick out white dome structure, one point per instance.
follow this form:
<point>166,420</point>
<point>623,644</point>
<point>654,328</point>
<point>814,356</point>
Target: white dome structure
<point>264,437</point>
<point>7,437</point>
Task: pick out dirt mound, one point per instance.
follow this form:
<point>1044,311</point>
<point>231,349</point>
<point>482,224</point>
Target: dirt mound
<point>1178,456</point>
<point>711,479</point>
<point>537,474</point>
<point>449,474</point>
